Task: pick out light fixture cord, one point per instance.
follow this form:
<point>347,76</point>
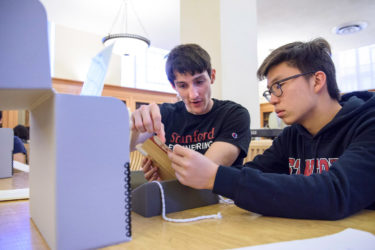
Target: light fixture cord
<point>139,20</point>
<point>117,16</point>
<point>126,15</point>
<point>124,7</point>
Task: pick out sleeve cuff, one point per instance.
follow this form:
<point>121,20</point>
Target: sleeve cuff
<point>226,181</point>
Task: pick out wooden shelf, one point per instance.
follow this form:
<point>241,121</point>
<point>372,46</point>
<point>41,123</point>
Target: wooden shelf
<point>265,110</point>
<point>130,96</point>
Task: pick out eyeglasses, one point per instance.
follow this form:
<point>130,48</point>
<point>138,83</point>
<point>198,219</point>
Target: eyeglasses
<point>276,89</point>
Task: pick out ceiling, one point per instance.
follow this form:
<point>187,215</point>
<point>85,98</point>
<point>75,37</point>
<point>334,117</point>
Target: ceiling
<point>279,21</point>
<point>160,18</point>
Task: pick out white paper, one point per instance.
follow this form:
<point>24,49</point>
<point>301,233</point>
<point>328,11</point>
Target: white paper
<point>14,194</point>
<point>349,239</point>
<point>20,166</point>
<point>94,83</point>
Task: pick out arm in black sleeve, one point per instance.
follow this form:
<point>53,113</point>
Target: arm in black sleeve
<point>346,188</point>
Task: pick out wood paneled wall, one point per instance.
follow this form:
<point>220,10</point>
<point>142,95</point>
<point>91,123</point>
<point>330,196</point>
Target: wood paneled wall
<point>10,118</point>
<point>129,95</point>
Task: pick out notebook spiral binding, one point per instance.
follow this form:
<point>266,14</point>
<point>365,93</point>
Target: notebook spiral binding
<point>127,199</point>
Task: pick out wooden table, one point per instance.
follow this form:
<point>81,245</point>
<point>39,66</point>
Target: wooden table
<point>19,179</point>
<point>237,228</point>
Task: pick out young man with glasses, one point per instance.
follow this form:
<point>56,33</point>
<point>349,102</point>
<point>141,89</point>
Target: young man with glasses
<point>218,129</point>
<point>320,167</point>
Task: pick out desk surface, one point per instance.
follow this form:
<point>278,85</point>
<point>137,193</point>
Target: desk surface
<point>237,228</point>
<point>19,179</point>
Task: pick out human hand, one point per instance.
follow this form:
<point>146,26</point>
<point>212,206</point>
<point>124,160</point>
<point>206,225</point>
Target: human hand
<point>150,172</point>
<point>147,119</point>
<point>192,168</point>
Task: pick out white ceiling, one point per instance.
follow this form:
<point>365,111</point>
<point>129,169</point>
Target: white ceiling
<point>279,21</point>
<point>160,18</point>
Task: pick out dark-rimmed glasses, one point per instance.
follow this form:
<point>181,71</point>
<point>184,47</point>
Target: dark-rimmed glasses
<point>276,89</point>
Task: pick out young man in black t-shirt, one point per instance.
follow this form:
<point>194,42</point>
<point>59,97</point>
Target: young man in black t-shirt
<point>218,129</point>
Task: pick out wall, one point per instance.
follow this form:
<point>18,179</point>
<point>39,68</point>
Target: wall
<point>239,55</point>
<point>200,23</point>
<point>73,53</point>
<point>228,31</point>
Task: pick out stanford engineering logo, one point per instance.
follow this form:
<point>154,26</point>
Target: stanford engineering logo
<point>193,138</point>
<point>196,141</point>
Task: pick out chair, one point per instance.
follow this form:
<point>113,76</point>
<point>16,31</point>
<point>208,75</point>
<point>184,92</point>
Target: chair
<point>27,146</point>
<point>257,147</point>
<point>136,161</point>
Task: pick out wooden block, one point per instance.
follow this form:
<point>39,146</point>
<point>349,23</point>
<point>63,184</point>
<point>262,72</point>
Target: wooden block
<point>157,152</point>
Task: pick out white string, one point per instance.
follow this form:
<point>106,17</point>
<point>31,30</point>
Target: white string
<point>203,217</point>
<point>225,200</point>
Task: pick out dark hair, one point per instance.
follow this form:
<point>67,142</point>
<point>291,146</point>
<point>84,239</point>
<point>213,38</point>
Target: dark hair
<point>187,58</point>
<point>22,132</point>
<point>310,56</point>
<point>1,114</point>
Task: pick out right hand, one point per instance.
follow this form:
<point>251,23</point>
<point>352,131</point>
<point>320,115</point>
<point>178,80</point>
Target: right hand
<point>147,118</point>
<point>192,168</point>
<point>150,172</point>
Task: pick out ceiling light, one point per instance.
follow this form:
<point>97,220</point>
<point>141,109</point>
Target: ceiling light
<point>349,28</point>
<point>126,43</point>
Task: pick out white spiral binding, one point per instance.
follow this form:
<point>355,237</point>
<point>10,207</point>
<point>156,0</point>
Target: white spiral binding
<point>203,217</point>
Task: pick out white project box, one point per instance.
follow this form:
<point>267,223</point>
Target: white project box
<point>79,190</point>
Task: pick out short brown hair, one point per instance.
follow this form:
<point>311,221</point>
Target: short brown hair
<point>309,56</point>
<point>187,58</point>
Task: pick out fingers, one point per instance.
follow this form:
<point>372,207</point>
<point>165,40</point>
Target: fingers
<point>136,121</point>
<point>156,117</point>
<point>154,177</point>
<point>147,118</point>
<point>146,164</point>
<point>180,157</point>
<point>161,133</point>
<point>180,150</point>
<point>181,153</point>
<point>178,164</point>
<point>175,159</point>
<point>150,172</point>
<point>147,121</point>
<point>193,169</point>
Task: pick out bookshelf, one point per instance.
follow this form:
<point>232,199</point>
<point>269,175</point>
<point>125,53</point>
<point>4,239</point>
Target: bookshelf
<point>133,98</point>
<point>265,111</point>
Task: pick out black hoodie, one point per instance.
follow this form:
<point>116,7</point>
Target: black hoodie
<point>327,176</point>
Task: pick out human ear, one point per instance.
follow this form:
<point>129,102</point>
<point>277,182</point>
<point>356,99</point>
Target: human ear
<point>320,81</point>
<point>213,75</point>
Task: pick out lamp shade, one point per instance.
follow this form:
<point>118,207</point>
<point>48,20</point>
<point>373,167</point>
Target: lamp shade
<point>126,44</point>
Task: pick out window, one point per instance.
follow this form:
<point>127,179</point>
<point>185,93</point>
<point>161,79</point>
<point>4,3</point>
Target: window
<point>146,71</point>
<point>355,69</point>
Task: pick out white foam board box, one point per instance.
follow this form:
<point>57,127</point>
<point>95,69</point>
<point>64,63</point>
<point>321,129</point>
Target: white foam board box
<point>6,148</point>
<point>79,144</point>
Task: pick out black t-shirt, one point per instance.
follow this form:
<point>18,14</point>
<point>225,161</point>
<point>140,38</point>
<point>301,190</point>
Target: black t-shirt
<point>227,121</point>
